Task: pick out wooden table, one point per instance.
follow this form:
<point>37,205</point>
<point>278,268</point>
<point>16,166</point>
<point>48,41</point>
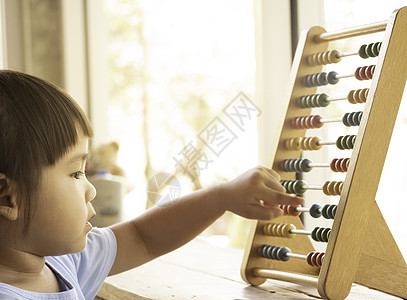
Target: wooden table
<point>200,270</point>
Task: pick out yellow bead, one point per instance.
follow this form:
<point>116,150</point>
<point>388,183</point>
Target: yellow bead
<point>325,58</point>
<point>314,143</point>
<point>320,58</point>
<point>278,230</point>
<point>340,187</point>
<point>325,188</point>
<point>311,60</point>
<point>293,144</point>
<point>265,229</point>
<point>332,188</point>
<point>351,97</point>
<point>304,143</point>
<point>286,230</point>
<point>363,94</point>
<point>332,56</point>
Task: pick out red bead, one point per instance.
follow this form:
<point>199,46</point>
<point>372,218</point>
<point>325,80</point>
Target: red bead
<point>292,210</point>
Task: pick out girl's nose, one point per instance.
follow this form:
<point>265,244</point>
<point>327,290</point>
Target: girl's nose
<point>90,193</point>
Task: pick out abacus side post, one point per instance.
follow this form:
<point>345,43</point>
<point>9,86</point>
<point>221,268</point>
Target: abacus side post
<point>357,200</point>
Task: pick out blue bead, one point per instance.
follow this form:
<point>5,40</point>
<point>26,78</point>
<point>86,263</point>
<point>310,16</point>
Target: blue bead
<point>315,211</point>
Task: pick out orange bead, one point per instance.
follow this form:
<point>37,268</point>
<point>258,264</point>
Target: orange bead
<point>292,210</point>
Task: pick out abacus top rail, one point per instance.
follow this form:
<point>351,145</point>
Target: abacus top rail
<point>350,32</point>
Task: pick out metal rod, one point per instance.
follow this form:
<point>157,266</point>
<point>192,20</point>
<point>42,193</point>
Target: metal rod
<point>322,143</point>
<point>330,120</point>
<point>344,76</point>
<point>295,255</point>
<point>302,209</point>
<point>336,99</point>
<point>351,32</point>
<point>300,231</point>
<point>319,165</point>
<point>311,187</point>
<point>306,209</point>
<point>344,54</point>
<point>285,276</point>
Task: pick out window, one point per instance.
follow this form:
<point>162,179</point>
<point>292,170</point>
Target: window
<point>173,68</point>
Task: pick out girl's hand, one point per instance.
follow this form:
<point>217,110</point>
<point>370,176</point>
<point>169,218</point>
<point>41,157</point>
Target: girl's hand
<point>256,194</point>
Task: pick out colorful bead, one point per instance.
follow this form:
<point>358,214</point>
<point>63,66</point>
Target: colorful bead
<point>315,211</point>
<point>320,79</point>
<point>346,142</point>
<point>274,252</point>
<point>329,211</point>
<point>362,51</point>
<point>315,259</point>
<point>358,96</point>
<point>295,165</point>
<point>320,234</point>
<point>279,230</point>
<point>365,73</point>
<point>307,143</point>
<point>332,77</point>
<point>332,188</point>
<point>293,186</point>
<point>293,144</point>
<point>324,58</point>
<point>290,210</point>
<point>307,122</point>
<point>371,50</point>
<point>352,119</point>
<point>311,143</point>
<point>340,164</point>
<point>315,100</point>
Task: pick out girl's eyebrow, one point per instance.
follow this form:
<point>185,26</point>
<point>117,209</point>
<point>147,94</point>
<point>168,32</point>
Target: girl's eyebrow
<point>81,158</point>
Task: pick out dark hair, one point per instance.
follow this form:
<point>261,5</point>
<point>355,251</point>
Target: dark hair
<point>39,123</point>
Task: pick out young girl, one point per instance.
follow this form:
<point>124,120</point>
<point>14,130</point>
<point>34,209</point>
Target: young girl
<point>48,249</point>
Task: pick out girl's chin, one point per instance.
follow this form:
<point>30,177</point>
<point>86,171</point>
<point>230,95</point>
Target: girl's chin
<point>88,226</point>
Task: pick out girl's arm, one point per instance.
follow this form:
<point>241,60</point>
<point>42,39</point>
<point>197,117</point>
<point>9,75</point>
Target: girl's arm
<point>255,195</point>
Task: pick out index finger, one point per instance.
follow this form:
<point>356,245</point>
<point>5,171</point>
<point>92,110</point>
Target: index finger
<point>276,197</point>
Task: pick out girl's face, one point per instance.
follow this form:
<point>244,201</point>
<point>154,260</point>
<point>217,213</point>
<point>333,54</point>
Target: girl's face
<point>59,223</point>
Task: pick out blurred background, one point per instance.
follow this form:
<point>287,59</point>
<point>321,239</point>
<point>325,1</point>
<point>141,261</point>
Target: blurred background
<point>158,79</point>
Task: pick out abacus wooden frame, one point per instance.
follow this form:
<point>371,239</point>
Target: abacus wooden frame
<point>352,255</point>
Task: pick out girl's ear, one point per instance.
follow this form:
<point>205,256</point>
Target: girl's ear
<point>8,203</point>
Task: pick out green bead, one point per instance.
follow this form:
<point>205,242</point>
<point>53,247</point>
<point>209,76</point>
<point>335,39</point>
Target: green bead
<point>322,102</point>
<point>339,143</point>
<point>376,48</point>
<point>362,51</point>
<point>298,187</point>
<point>284,184</point>
<point>314,234</point>
<point>369,50</point>
<point>318,234</point>
<point>325,234</point>
<point>348,144</point>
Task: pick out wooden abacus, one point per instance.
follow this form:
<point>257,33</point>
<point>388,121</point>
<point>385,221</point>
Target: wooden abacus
<point>360,247</point>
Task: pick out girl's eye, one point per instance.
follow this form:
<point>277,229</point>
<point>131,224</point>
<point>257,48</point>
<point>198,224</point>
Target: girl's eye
<point>78,174</point>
